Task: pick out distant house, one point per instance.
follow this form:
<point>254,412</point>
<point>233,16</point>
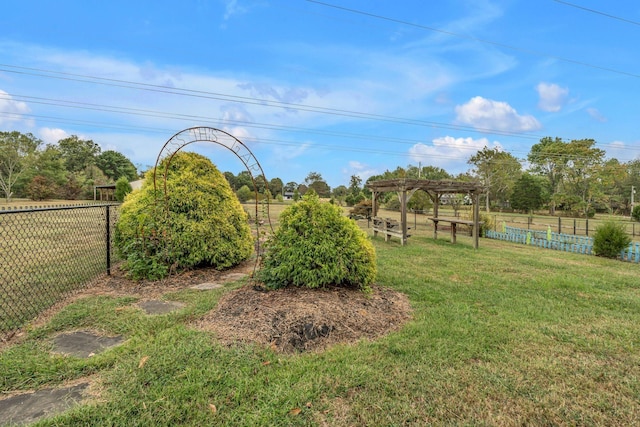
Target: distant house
<point>288,195</point>
<point>136,185</point>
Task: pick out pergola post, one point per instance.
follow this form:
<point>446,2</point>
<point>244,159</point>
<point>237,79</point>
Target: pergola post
<point>476,220</point>
<point>403,215</point>
<point>374,208</point>
<point>436,203</point>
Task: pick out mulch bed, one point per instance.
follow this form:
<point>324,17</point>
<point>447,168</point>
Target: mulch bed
<point>289,320</point>
<point>294,320</point>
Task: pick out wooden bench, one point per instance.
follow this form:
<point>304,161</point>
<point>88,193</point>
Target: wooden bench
<point>454,222</point>
<point>389,227</point>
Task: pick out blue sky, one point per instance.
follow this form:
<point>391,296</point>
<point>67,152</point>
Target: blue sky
<point>342,87</point>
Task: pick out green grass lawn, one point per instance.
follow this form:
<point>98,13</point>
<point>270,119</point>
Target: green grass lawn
<point>46,254</point>
<point>505,335</point>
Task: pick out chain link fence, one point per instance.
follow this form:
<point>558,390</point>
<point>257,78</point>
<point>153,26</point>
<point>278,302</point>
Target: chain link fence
<point>47,253</point>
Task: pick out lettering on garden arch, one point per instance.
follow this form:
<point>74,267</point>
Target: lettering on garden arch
<point>225,139</point>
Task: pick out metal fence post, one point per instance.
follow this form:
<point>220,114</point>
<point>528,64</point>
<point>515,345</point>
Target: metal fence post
<point>559,225</point>
<point>108,229</point>
<point>586,227</point>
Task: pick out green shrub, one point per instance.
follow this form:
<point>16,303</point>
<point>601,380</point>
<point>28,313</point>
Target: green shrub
<point>487,221</point>
<point>635,214</point>
<point>610,239</point>
<point>363,208</point>
<point>201,223</point>
<point>244,194</point>
<point>41,188</point>
<point>123,187</point>
<point>316,246</point>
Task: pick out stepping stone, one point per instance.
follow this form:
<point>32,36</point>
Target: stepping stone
<point>27,408</point>
<point>84,344</point>
<point>207,286</point>
<point>160,307</point>
<point>232,277</point>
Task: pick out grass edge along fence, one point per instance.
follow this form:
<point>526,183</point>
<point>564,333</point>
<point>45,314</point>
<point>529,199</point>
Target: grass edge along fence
<point>558,241</point>
<point>48,252</point>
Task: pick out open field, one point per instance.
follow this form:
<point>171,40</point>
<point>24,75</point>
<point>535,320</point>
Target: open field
<point>503,335</point>
<point>567,225</point>
<point>45,254</point>
<point>21,203</point>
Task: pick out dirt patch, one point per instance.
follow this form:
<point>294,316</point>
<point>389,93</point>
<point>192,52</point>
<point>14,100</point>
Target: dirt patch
<point>289,320</point>
<point>298,319</point>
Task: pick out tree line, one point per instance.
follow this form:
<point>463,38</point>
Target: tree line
<point>66,170</point>
<point>573,177</point>
<point>570,177</point>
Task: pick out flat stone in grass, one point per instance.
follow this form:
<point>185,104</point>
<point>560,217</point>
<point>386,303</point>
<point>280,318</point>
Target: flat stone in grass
<point>207,286</point>
<point>233,277</point>
<point>160,307</point>
<point>27,408</point>
<point>84,344</point>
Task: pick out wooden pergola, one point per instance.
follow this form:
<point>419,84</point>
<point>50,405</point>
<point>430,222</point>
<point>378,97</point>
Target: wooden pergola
<point>435,189</point>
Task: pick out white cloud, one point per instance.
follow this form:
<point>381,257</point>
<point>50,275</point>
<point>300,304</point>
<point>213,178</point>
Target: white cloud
<point>449,151</point>
<point>362,170</point>
<point>232,118</point>
<point>289,152</point>
<point>483,113</point>
<point>288,95</point>
<point>233,8</point>
<point>11,111</point>
<point>552,96</point>
<point>52,135</point>
<point>596,115</point>
<point>621,151</point>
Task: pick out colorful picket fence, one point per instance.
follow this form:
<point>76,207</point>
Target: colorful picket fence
<point>557,241</point>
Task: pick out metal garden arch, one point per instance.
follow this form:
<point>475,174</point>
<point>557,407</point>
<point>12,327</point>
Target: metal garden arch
<point>225,139</point>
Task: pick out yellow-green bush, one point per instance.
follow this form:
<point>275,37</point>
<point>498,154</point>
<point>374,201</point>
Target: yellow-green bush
<point>316,246</point>
<point>201,223</point>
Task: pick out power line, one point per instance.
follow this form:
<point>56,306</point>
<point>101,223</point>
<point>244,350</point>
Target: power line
<point>475,39</point>
<point>219,122</point>
<point>288,143</point>
<point>629,21</point>
<point>190,117</point>
<point>257,141</point>
<point>251,101</point>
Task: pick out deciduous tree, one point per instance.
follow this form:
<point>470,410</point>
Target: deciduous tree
<point>78,153</point>
<point>17,150</point>
<point>548,158</point>
<point>498,172</point>
<point>275,186</point>
<point>116,165</point>
<point>527,194</point>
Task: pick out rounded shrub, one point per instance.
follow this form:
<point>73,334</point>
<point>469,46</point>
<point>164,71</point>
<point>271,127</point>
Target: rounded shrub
<point>316,246</point>
<point>201,222</point>
<point>635,214</point>
<point>610,239</point>
<point>123,187</point>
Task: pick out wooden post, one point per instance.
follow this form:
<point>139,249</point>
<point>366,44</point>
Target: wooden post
<point>436,202</point>
<point>374,209</point>
<point>403,215</point>
<point>476,220</point>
